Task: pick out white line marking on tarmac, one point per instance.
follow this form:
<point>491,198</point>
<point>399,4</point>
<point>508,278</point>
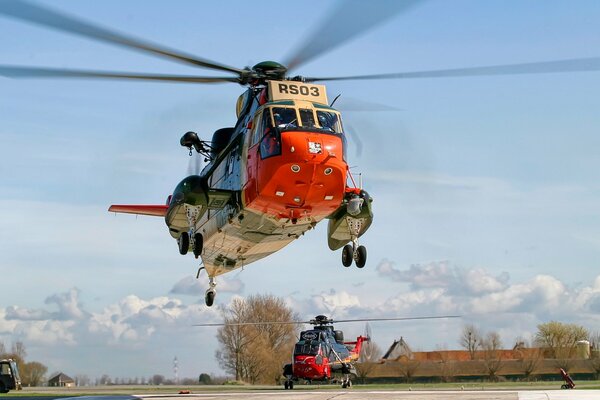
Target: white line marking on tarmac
<point>560,395</point>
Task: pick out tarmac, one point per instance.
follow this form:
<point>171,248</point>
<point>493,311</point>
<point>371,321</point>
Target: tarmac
<point>356,394</point>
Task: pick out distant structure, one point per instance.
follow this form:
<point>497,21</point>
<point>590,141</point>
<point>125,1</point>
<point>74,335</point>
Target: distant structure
<point>397,350</point>
<point>61,380</point>
<point>176,370</point>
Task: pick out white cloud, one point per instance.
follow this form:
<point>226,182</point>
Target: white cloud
<point>191,286</point>
<point>439,274</point>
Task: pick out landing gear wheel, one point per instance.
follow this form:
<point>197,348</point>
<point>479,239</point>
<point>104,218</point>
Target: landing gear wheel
<point>198,244</point>
<point>361,256</point>
<point>184,243</point>
<point>347,252</point>
<point>291,385</point>
<point>209,297</point>
<point>286,385</point>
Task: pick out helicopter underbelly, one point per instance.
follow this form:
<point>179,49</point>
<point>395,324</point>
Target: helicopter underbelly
<point>233,240</point>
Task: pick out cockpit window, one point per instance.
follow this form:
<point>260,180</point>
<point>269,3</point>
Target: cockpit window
<point>307,117</point>
<point>308,348</point>
<point>329,121</point>
<point>285,117</point>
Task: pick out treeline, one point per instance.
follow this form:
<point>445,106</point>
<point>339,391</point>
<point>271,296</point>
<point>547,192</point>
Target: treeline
<point>33,373</point>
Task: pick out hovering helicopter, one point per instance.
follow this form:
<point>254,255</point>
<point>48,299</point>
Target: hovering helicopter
<point>321,354</point>
<point>282,168</point>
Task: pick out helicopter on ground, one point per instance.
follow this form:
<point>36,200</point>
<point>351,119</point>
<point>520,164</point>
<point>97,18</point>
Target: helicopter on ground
<point>282,168</point>
<point>321,353</point>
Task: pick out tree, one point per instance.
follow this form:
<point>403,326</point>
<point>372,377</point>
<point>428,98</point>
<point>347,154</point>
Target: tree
<point>561,341</point>
<point>492,359</point>
<point>34,373</point>
<point>205,379</point>
<point>369,355</point>
<point>470,339</point>
<point>407,368</point>
<point>105,380</point>
<point>18,349</point>
<point>256,353</point>
<point>447,366</point>
<point>158,379</point>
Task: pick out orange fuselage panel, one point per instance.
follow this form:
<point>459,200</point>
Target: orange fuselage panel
<point>307,179</point>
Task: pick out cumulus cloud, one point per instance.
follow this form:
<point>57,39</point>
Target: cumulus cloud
<point>132,319</point>
<point>191,286</point>
<point>439,274</point>
<point>68,304</point>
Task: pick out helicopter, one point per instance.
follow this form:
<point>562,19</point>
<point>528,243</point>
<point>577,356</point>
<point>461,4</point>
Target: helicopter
<point>282,167</point>
<point>321,353</point>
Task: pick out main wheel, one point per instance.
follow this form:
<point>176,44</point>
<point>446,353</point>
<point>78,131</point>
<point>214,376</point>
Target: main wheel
<point>291,386</point>
<point>361,256</point>
<point>198,244</point>
<point>209,297</point>
<point>347,255</point>
<point>184,243</point>
<point>286,385</point>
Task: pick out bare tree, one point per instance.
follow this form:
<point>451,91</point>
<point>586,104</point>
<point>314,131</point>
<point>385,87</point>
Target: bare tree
<point>470,339</point>
<point>370,354</point>
<point>407,368</point>
<point>256,353</point>
<point>18,348</point>
<point>34,373</point>
<point>447,366</point>
<point>492,359</point>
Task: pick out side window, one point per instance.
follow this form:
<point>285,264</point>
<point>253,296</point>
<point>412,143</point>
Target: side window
<point>257,130</point>
<point>270,144</point>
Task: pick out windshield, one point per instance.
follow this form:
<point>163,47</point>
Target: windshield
<point>285,117</point>
<point>308,348</point>
<point>291,118</point>
<point>329,121</point>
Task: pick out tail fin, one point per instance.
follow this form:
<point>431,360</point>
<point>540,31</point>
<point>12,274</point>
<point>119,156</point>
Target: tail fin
<point>153,210</point>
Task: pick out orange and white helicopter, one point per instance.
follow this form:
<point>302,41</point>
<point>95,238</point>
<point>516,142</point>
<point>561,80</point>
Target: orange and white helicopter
<point>282,167</point>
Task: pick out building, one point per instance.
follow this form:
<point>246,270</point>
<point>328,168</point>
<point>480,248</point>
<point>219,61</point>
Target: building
<point>61,380</point>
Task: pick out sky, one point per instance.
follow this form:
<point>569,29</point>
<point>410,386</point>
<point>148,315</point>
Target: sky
<point>486,190</point>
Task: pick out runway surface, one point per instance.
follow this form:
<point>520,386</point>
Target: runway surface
<point>357,394</point>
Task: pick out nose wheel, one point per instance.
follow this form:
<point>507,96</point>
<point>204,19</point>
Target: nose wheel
<point>209,297</point>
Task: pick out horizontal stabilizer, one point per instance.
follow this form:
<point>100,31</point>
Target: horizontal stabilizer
<point>153,210</point>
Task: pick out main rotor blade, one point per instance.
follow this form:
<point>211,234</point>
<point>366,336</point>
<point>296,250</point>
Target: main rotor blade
<point>337,321</point>
<point>349,19</point>
<point>256,323</point>
<point>544,67</point>
<point>330,321</point>
<point>32,72</point>
<point>53,19</point>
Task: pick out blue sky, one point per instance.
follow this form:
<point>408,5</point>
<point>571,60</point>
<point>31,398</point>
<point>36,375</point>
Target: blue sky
<point>486,189</point>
